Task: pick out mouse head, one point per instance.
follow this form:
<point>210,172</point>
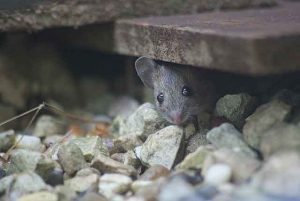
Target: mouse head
<point>174,89</point>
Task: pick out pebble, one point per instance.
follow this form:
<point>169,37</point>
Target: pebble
<point>107,165</point>
<point>30,142</point>
<point>264,117</point>
<point>7,140</point>
<point>82,183</point>
<point>218,174</point>
<point>226,136</point>
<point>22,160</point>
<point>236,107</point>
<point>71,158</point>
<point>165,147</point>
<point>154,172</point>
<point>90,146</point>
<point>39,196</point>
<point>110,184</point>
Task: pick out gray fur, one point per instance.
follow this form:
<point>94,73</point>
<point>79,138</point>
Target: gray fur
<point>170,79</point>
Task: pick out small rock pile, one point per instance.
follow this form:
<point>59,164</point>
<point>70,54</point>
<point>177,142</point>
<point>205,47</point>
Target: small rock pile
<point>254,156</point>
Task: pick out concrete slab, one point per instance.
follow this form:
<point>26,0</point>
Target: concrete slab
<point>32,15</point>
<point>254,42</point>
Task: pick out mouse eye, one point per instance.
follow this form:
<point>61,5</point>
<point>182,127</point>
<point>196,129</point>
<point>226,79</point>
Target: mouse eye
<point>160,97</point>
<point>186,91</point>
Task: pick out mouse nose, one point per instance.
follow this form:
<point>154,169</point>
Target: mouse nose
<point>176,117</point>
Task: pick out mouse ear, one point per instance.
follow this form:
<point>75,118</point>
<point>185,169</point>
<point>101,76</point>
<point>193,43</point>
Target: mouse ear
<point>145,68</point>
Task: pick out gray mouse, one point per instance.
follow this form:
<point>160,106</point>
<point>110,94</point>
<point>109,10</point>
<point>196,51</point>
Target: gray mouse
<point>182,94</point>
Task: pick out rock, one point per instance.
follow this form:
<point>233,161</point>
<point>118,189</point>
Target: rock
<point>50,172</point>
<point>6,183</point>
<point>30,142</point>
<point>28,182</point>
<point>243,166</point>
<point>71,158</point>
<point>236,108</point>
<point>38,196</point>
<point>52,140</point>
<point>280,175</point>
<point>87,171</point>
<point>126,143</point>
<point>196,159</point>
<point>22,160</point>
<point>288,96</point>
<point>118,126</point>
<point>192,176</point>
<point>281,136</point>
<point>150,191</point>
<point>138,185</point>
<point>92,196</point>
<point>195,141</point>
<point>2,173</point>
<point>164,147</point>
<point>47,125</point>
<point>82,183</point>
<point>131,159</point>
<point>110,184</point>
<point>7,140</point>
<point>123,106</point>
<point>178,185</point>
<point>90,146</point>
<point>107,165</point>
<point>144,121</point>
<point>155,172</point>
<point>226,136</point>
<point>65,193</point>
<point>218,174</point>
<point>264,117</point>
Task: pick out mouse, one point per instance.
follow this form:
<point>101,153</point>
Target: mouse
<point>182,94</point>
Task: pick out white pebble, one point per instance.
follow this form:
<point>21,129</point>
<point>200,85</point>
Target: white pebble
<point>218,174</point>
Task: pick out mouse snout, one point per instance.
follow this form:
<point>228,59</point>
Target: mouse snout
<point>176,117</point>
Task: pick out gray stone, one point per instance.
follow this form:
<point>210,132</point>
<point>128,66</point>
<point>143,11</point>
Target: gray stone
<point>87,171</point>
<point>28,182</point>
<point>30,142</point>
<point>7,140</point>
<point>126,143</point>
<point>264,117</point>
<point>195,141</point>
<point>82,183</point>
<point>131,159</point>
<point>65,193</point>
<point>175,190</point>
<point>52,140</point>
<point>118,126</point>
<point>196,159</point>
<point>38,196</point>
<point>144,121</point>
<point>236,108</point>
<point>90,146</point>
<point>281,136</point>
<point>280,175</point>
<point>226,136</point>
<point>218,174</point>
<point>71,158</point>
<point>92,196</point>
<point>6,182</point>
<point>107,165</point>
<point>243,166</point>
<point>163,147</point>
<point>50,171</point>
<point>22,160</point>
<point>138,185</point>
<point>155,172</point>
<point>47,125</point>
<point>110,184</point>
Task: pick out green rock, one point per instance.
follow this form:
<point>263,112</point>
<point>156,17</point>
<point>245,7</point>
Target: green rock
<point>91,146</point>
<point>264,117</point>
